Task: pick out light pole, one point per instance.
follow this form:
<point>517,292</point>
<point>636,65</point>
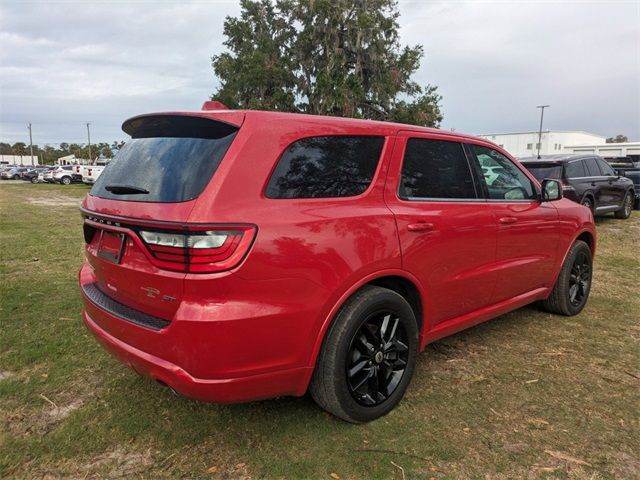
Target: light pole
<point>541,107</point>
<point>30,142</point>
<point>89,138</point>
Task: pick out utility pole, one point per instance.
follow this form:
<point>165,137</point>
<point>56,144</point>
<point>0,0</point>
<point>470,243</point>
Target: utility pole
<point>541,107</point>
<point>89,138</point>
<point>30,142</point>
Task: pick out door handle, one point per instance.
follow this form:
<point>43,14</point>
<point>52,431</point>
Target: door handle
<point>508,220</point>
<point>420,227</point>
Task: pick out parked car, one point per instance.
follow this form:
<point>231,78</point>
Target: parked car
<point>76,173</point>
<point>13,173</point>
<point>63,175</point>
<point>243,255</point>
<point>45,175</point>
<point>91,173</point>
<point>630,168</point>
<point>588,180</point>
<point>30,175</point>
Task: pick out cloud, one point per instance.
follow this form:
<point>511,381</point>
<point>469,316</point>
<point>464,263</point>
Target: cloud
<point>67,62</point>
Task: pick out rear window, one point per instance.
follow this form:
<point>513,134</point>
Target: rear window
<point>170,158</point>
<point>325,167</point>
<point>545,171</point>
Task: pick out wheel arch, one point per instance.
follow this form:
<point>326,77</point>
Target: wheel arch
<point>588,238</point>
<point>590,194</point>
<point>586,235</point>
<point>397,280</point>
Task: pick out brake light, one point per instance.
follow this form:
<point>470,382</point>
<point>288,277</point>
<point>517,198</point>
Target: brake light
<point>201,251</point>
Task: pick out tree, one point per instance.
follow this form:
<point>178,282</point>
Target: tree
<point>19,148</point>
<point>5,148</point>
<point>106,151</point>
<point>325,57</point>
<point>618,139</point>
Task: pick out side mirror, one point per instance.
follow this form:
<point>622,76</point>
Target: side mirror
<point>551,190</point>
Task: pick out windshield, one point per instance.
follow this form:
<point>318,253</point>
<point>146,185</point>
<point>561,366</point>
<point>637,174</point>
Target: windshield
<point>170,159</point>
<point>545,171</point>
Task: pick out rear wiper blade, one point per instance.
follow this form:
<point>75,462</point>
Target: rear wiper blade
<point>124,189</point>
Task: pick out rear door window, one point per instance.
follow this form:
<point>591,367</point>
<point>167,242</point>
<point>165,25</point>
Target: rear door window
<point>575,169</point>
<point>326,167</point>
<point>592,167</point>
<point>435,169</point>
<point>170,158</point>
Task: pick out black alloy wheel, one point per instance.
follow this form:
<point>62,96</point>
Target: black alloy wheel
<point>377,358</point>
<point>367,357</point>
<point>580,279</point>
<point>571,290</point>
<point>627,206</point>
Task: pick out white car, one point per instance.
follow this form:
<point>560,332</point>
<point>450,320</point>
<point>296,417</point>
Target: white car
<point>62,175</point>
<point>91,173</point>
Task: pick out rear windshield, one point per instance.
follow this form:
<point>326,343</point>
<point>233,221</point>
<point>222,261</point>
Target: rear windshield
<point>170,158</point>
<point>545,171</point>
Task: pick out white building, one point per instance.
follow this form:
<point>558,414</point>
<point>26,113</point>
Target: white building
<point>608,150</point>
<point>525,144</point>
<point>18,160</point>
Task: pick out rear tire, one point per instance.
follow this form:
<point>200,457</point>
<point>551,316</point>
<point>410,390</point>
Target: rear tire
<point>367,357</point>
<point>627,206</point>
<point>34,179</point>
<point>571,291</point>
<point>65,180</point>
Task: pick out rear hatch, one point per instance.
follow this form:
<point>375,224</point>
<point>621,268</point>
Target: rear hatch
<point>139,242</point>
<point>542,170</point>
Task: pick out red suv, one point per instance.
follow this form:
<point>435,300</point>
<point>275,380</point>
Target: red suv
<point>243,255</point>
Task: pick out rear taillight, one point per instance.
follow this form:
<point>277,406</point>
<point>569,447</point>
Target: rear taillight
<point>199,250</point>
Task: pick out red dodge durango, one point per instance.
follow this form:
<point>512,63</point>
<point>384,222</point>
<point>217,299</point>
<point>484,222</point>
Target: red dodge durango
<point>243,255</point>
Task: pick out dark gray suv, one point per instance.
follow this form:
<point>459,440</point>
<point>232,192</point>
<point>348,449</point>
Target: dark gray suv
<point>587,179</point>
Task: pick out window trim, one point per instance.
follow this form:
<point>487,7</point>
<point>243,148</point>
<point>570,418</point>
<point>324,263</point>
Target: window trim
<point>478,197</point>
<point>387,144</point>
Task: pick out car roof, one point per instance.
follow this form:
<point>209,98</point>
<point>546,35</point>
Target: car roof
<point>377,126</point>
<point>556,159</point>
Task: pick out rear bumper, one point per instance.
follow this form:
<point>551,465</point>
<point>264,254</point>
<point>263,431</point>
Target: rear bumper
<point>221,352</point>
<point>227,390</point>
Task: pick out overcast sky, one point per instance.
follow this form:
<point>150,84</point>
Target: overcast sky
<point>63,63</point>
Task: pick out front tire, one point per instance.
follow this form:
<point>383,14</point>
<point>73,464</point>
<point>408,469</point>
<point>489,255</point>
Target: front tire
<point>587,201</point>
<point>34,179</point>
<point>571,291</point>
<point>65,180</point>
<point>627,206</point>
<point>367,357</point>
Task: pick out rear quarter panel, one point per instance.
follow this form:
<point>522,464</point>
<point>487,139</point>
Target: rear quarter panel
<point>306,255</point>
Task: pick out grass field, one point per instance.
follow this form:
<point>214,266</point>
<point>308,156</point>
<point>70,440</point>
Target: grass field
<point>528,395</point>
